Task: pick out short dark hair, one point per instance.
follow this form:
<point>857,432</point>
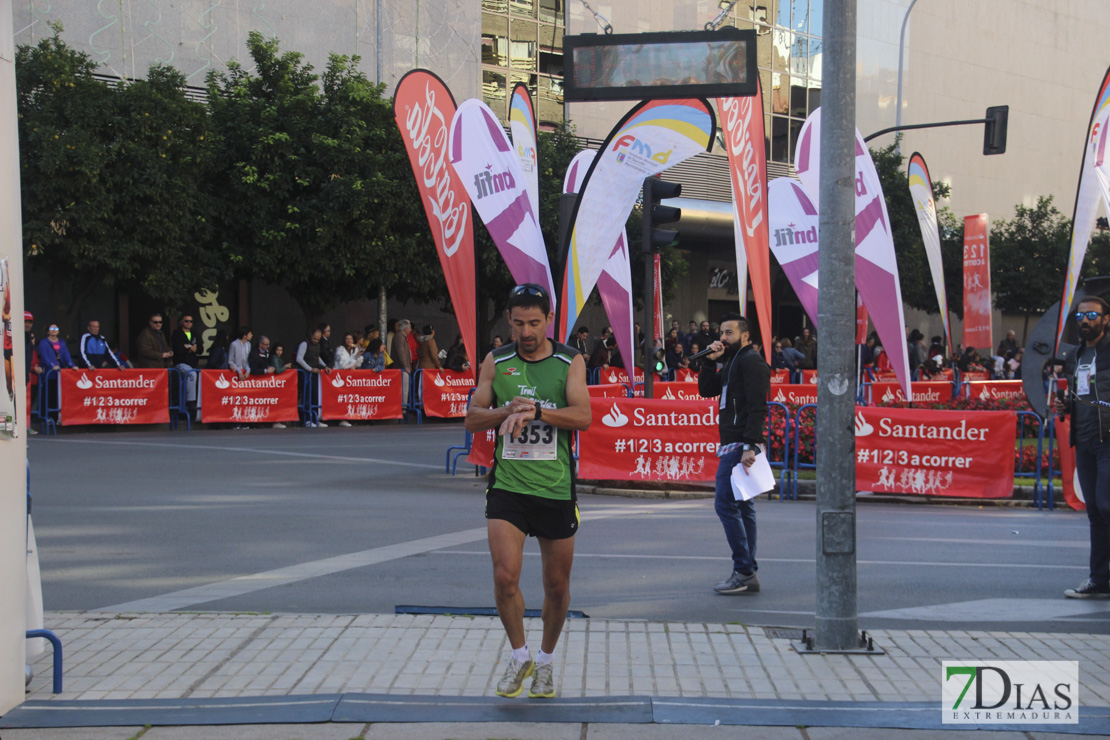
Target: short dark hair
<point>323,326</point>
<point>244,331</point>
<point>583,330</point>
<point>374,346</point>
<point>1095,299</point>
<point>428,329</point>
<point>742,323</point>
<point>529,295</point>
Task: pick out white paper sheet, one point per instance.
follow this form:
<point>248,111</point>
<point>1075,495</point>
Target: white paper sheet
<point>747,483</point>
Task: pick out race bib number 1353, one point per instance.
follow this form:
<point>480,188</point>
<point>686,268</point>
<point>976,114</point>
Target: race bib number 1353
<point>536,441</point>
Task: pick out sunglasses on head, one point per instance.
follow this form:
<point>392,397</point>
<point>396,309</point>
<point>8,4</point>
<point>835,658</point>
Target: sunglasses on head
<point>1089,315</point>
<point>530,289</point>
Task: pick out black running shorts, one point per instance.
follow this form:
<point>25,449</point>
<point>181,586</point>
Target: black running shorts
<point>536,516</point>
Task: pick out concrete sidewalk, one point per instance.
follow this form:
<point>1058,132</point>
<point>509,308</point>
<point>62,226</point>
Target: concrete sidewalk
<point>712,668</point>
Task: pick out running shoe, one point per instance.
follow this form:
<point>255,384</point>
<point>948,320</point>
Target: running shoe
<point>512,683</point>
<point>543,682</point>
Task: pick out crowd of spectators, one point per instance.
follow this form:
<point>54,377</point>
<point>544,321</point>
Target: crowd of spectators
<point>405,349</point>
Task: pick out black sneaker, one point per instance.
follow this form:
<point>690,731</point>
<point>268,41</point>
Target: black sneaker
<point>1088,591</point>
<point>738,583</point>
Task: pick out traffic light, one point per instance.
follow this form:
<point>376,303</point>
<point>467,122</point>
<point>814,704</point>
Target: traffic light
<point>656,190</point>
<point>659,365</point>
<point>994,130</point>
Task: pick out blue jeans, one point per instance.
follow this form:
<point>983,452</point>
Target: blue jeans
<point>1092,463</point>
<point>737,517</point>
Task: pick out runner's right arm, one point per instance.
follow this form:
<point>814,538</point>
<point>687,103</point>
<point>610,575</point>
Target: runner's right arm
<point>480,417</point>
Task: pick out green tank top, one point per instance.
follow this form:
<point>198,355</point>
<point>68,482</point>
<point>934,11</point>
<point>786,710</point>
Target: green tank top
<point>537,462</point>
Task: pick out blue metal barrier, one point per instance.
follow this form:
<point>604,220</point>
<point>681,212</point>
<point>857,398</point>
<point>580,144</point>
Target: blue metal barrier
<point>1024,417</point>
<point>310,400</point>
<point>50,409</point>
<point>416,396</point>
<point>180,408</point>
<point>450,463</point>
<point>784,463</point>
<point>1051,492</point>
<point>57,645</point>
<point>798,444</point>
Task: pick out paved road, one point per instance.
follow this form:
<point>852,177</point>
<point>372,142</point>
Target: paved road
<point>364,519</point>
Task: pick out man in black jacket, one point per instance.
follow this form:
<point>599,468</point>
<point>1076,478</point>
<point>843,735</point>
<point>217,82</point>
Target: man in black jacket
<point>1088,373</point>
<point>741,378</point>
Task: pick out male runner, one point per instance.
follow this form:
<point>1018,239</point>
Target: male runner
<point>537,389</point>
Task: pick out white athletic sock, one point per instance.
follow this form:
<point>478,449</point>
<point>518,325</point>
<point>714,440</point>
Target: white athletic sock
<point>521,654</point>
<point>543,658</point>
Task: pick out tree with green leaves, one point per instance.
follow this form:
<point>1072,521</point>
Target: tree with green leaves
<point>1029,258</point>
<point>316,194</point>
<point>111,180</point>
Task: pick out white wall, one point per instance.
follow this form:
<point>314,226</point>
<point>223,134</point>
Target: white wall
<point>13,452</point>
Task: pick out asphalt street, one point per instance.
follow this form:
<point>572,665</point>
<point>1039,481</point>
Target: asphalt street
<point>362,520</point>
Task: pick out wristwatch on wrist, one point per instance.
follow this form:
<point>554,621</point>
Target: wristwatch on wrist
<point>539,412</point>
<point>746,447</point>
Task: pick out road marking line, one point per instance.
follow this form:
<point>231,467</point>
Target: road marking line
<point>242,585</point>
<point>255,450</point>
<point>668,556</point>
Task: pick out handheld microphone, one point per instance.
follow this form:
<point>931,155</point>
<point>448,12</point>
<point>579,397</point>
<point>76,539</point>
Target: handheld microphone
<point>699,355</point>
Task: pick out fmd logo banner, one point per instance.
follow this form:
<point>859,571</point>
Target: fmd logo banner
<point>1010,692</point>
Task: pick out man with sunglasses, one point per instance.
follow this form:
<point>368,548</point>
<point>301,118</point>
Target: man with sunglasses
<point>533,392</point>
<point>1088,373</point>
<point>151,348</point>
<point>185,345</point>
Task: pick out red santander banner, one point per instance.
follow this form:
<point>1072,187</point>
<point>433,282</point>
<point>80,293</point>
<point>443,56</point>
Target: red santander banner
<point>793,394</point>
<point>977,283</point>
<point>936,453</point>
<point>639,439</point>
<point>114,396</point>
<point>994,390</point>
<point>424,108</point>
<point>618,375</point>
<point>676,391</point>
<point>259,398</point>
<point>445,392</point>
<point>361,394</point>
<point>685,375</point>
<point>782,375</point>
<point>925,391</point>
<point>608,390</point>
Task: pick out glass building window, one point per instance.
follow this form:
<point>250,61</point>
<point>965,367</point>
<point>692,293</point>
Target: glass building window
<point>523,8</point>
<point>522,41</point>
<point>494,92</point>
<point>551,11</point>
<point>523,46</point>
<point>495,40</point>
